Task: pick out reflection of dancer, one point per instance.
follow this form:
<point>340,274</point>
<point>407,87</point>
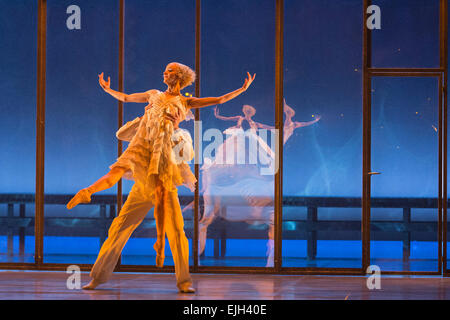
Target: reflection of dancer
<point>243,182</point>
<point>289,125</point>
<point>150,161</point>
<point>237,130</point>
<point>249,112</point>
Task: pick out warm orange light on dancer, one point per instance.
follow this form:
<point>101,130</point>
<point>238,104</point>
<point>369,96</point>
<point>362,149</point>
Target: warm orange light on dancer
<point>151,162</point>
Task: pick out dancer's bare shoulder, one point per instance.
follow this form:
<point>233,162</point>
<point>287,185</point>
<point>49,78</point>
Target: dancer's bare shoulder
<point>186,101</point>
<point>151,92</point>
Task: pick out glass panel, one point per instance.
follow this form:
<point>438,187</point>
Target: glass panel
<point>322,153</point>
<point>157,33</point>
<point>236,181</point>
<point>18,20</point>
<point>404,144</point>
<point>81,120</point>
<point>409,34</point>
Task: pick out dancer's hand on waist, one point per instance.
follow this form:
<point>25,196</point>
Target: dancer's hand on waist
<point>176,117</point>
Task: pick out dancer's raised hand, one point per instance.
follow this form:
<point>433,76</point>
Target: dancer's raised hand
<point>105,85</point>
<point>248,81</point>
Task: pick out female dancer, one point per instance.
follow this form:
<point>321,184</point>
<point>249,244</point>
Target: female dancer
<point>150,161</point>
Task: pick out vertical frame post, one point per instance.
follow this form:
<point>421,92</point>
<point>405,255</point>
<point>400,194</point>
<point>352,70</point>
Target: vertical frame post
<point>278,203</point>
<point>440,179</point>
<point>197,138</point>
<point>40,132</point>
<point>443,30</point>
<point>120,103</point>
<point>365,223</point>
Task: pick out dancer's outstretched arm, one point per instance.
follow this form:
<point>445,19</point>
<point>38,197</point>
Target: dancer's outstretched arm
<point>299,124</point>
<point>264,126</point>
<point>218,116</point>
<point>209,101</point>
<point>105,182</point>
<point>140,97</point>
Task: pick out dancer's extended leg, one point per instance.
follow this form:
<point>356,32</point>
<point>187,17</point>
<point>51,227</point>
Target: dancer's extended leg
<point>131,215</point>
<point>105,182</point>
<point>211,211</point>
<point>160,226</point>
<point>178,242</point>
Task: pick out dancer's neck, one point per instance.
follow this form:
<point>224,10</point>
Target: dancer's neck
<point>173,90</point>
<point>172,93</point>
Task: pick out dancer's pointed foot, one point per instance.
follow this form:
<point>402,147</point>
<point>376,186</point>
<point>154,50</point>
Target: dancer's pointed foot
<point>82,196</point>
<point>91,285</point>
<point>187,289</point>
<point>159,261</point>
<point>269,263</point>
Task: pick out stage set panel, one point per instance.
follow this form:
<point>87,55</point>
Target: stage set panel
<point>408,36</point>
<point>405,180</point>
<point>404,172</point>
<point>238,137</point>
<point>322,151</point>
<point>156,34</point>
<point>18,39</point>
<point>81,121</point>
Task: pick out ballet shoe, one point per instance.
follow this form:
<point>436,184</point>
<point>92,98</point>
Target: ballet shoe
<point>82,196</point>
<point>186,289</point>
<point>91,285</point>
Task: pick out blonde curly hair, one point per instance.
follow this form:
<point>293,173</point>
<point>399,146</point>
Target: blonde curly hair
<point>186,75</point>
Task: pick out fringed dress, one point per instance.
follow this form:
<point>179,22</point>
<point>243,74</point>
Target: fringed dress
<point>150,157</point>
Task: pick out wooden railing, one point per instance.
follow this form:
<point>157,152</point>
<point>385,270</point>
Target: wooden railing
<point>18,222</point>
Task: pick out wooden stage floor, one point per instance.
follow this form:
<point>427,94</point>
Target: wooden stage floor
<point>46,285</point>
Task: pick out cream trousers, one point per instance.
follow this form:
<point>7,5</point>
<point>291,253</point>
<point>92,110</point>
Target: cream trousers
<point>169,221</point>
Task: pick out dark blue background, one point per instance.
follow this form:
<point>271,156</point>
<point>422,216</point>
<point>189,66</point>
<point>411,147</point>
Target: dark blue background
<point>322,76</point>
